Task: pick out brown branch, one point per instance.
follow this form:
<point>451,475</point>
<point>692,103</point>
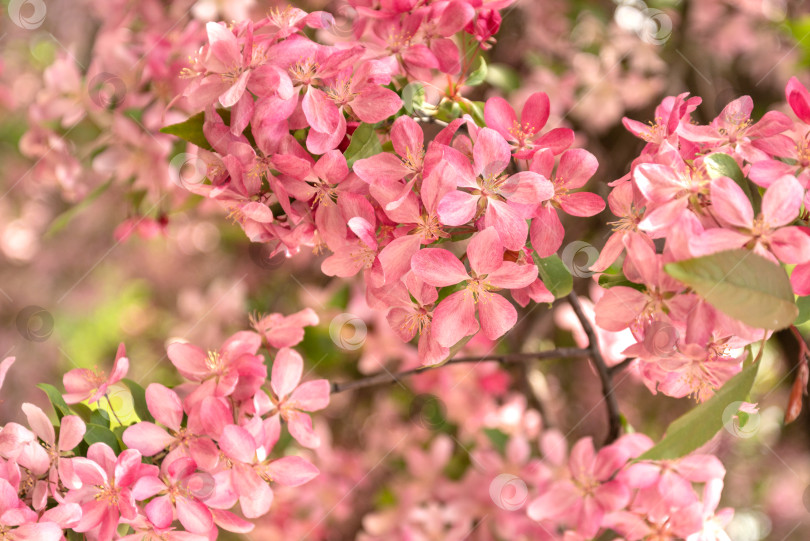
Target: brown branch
<point>383,378</point>
<point>614,419</point>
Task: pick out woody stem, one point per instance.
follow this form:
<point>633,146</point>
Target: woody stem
<point>605,375</point>
<point>382,378</point>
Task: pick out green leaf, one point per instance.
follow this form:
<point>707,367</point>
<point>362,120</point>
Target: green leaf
<point>723,165</point>
<point>554,275</point>
<point>497,438</point>
<point>100,417</point>
<point>75,536</point>
<point>59,405</point>
<point>413,97</point>
<point>503,76</point>
<point>804,310</point>
<point>65,218</point>
<point>84,412</point>
<point>477,112</point>
<point>696,427</point>
<point>741,284</point>
<point>101,434</point>
<point>612,280</point>
<point>364,144</point>
<point>190,130</point>
<point>478,74</point>
<point>138,400</point>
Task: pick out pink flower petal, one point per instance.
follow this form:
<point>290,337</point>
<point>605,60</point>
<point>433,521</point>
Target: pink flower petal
<point>782,201</point>
<point>300,427</point>
<point>583,204</point>
<point>513,276</point>
<point>499,115</point>
<point>546,231</point>
<point>160,511</point>
<point>490,154</point>
<point>497,315</point>
<point>454,318</point>
<point>407,137</point>
<point>292,471</point>
<point>485,251</point>
<point>458,208</point>
<point>39,423</point>
<point>194,516</point>
<point>189,360</point>
<point>71,432</point>
<point>286,374</point>
<point>148,438</point>
<point>730,204</point>
<point>311,395</point>
<point>511,226</point>
<point>321,113</point>
<point>164,405</point>
<point>238,444</point>
<point>438,267</point>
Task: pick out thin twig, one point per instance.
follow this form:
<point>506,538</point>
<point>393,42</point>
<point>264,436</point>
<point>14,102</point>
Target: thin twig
<point>616,368</point>
<point>112,409</point>
<point>614,419</point>
<point>382,378</point>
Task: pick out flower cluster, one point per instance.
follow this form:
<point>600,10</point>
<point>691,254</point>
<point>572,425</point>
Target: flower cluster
<point>194,453</point>
<point>300,162</point>
<point>90,127</point>
<point>557,495</point>
<point>695,190</point>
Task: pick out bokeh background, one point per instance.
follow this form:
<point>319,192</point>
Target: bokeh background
<point>84,87</point>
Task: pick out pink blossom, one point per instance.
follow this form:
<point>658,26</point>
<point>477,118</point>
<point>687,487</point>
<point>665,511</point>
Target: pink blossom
<point>576,167</point>
<point>505,201</point>
<point>18,522</point>
<point>735,127</point>
<point>284,331</point>
<point>150,439</point>
<point>591,490</point>
<point>768,234</point>
<point>251,470</point>
<point>668,116</point>
<point>71,432</point>
<point>83,384</point>
<point>524,134</point>
<point>105,495</point>
<point>234,370</point>
<point>408,160</point>
<point>172,498</point>
<point>411,302</point>
<point>292,398</point>
<point>799,99</point>
<point>5,365</point>
<point>454,317</point>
